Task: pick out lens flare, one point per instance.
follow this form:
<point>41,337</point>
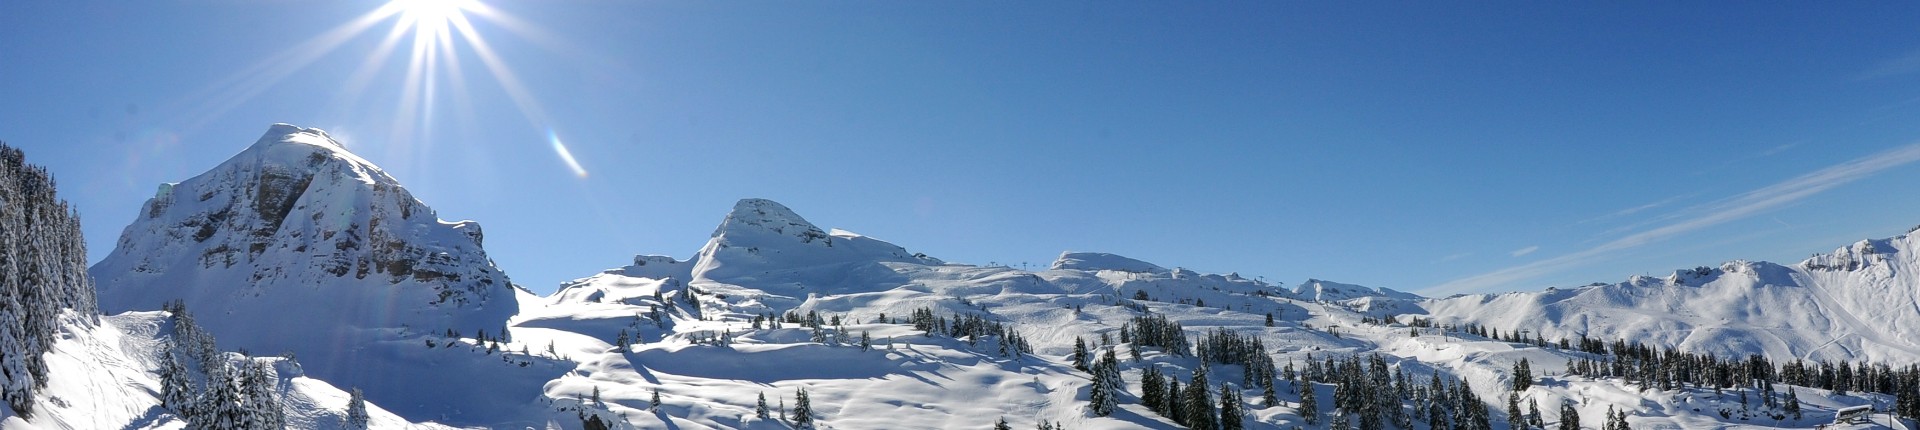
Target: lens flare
<point>566,155</point>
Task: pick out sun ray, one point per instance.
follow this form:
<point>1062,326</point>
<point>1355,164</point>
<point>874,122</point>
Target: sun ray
<point>363,75</point>
<point>431,63</point>
<point>229,92</point>
<point>501,72</point>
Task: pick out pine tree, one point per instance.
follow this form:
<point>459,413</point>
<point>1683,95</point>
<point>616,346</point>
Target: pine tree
<point>1152,390</point>
<point>593,422</point>
<point>1569,417</point>
<point>176,390</point>
<point>1515,420</point>
<point>802,410</point>
<point>1309,402</point>
<point>652,405</point>
<point>760,407</point>
<point>261,407</point>
<point>1793,403</point>
<point>219,406</point>
<point>621,343</point>
<point>1199,402</point>
<point>1230,408</point>
<point>1522,375</point>
<point>1616,420</point>
<point>1080,354</point>
<point>357,410</point>
<point>1533,414</point>
<point>1001,424</point>
<point>1109,367</point>
<point>1100,397</point>
<point>14,350</point>
<point>1175,401</point>
<point>1268,398</point>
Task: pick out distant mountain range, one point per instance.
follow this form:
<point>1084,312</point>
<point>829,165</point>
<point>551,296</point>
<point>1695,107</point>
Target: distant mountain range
<point>327,272</point>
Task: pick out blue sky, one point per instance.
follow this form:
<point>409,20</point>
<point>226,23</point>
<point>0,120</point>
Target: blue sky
<point>1423,146</point>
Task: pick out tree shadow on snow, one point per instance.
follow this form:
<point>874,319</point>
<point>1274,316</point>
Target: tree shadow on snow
<point>156,416</point>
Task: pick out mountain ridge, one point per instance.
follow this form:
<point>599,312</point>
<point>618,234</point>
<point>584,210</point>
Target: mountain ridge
<point>772,306</point>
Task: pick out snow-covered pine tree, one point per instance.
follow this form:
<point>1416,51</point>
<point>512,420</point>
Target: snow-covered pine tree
<point>176,389</point>
<point>1533,414</point>
<point>802,410</point>
<point>357,418</point>
<point>653,404</point>
<point>1268,398</point>
<point>1569,417</point>
<point>760,407</point>
<point>1230,408</point>
<point>42,270</point>
<point>1175,401</point>
<point>1001,424</point>
<point>262,405</point>
<point>219,407</point>
<point>1309,402</point>
<point>1515,419</point>
<point>593,422</point>
<point>1101,393</point>
<point>19,382</point>
<point>1522,375</point>
<point>1080,354</point>
<point>1199,407</point>
<point>1793,404</point>
<point>1153,390</point>
<point>1109,367</point>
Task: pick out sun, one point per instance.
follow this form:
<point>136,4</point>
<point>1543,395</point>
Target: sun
<point>428,37</point>
<point>431,17</point>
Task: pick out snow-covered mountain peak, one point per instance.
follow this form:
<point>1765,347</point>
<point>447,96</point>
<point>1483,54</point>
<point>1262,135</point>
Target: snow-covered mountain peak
<point>767,217</point>
<point>1863,254</point>
<point>283,134</point>
<point>764,230</point>
<point>1097,261</point>
<point>296,222</point>
<point>1321,290</point>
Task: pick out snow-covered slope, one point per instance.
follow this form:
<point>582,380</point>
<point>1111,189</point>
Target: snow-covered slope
<point>297,245</point>
<point>710,362</point>
<point>106,377</point>
<point>1860,302</point>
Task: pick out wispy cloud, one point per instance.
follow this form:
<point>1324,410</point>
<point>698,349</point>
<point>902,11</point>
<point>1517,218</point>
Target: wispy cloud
<point>1635,209</point>
<point>1701,216</point>
<point>1455,256</point>
<point>1524,251</point>
<point>1902,65</point>
<point>1780,149</point>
